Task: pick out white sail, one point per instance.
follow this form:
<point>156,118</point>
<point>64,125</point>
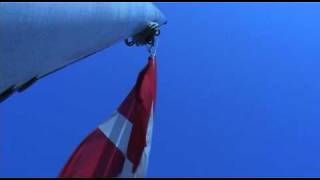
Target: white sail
<point>39,38</point>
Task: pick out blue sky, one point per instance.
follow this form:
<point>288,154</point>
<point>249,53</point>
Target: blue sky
<point>238,96</point>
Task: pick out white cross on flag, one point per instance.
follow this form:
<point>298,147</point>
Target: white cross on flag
<point>120,146</point>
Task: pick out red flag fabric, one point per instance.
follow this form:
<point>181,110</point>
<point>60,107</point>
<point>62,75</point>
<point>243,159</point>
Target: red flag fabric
<point>120,146</point>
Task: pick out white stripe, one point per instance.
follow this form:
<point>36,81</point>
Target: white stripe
<point>118,130</point>
<point>127,169</point>
<point>142,168</point>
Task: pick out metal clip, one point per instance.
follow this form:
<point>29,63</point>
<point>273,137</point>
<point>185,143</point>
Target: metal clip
<point>152,48</point>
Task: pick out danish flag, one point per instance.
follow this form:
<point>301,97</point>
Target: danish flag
<point>120,146</point>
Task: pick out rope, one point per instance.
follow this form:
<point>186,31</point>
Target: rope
<point>146,37</point>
